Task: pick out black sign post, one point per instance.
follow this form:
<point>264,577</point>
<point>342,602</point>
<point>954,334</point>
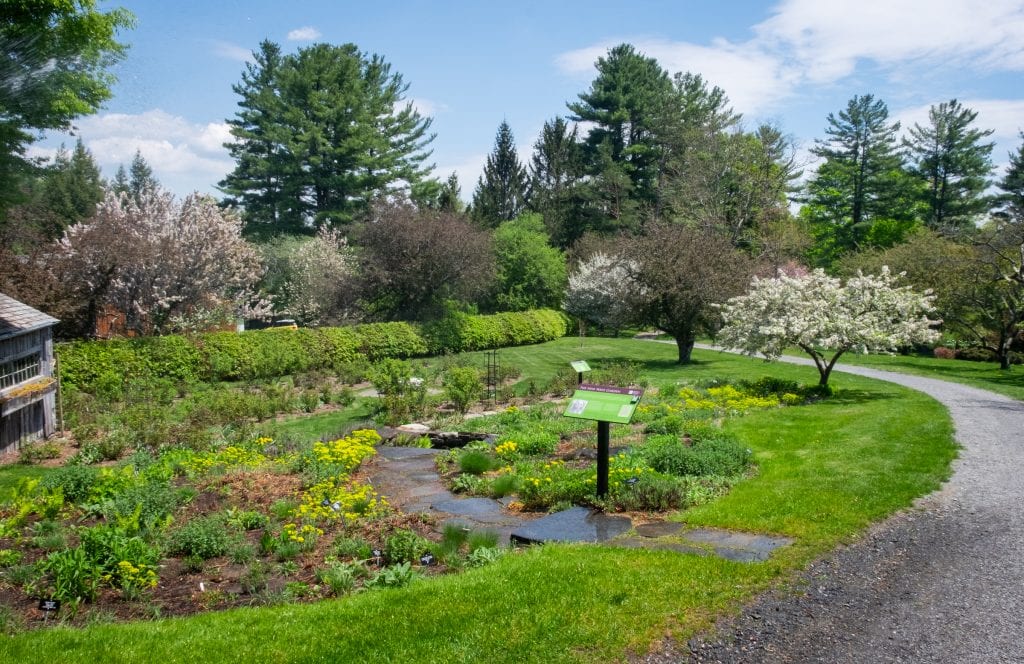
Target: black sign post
<point>604,436</point>
<point>605,404</point>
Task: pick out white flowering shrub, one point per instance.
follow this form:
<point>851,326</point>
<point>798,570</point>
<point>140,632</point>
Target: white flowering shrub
<point>602,290</point>
<point>821,315</point>
<point>320,288</point>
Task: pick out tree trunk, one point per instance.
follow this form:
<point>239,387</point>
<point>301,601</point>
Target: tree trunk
<point>685,346</point>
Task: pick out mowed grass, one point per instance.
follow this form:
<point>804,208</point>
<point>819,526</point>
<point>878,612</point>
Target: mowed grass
<point>824,472</point>
<point>328,425</point>
<point>986,375</point>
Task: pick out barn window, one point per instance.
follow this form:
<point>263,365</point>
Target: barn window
<point>20,370</point>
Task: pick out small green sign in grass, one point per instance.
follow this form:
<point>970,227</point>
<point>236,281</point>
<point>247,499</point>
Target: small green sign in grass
<point>604,403</point>
<point>580,366</point>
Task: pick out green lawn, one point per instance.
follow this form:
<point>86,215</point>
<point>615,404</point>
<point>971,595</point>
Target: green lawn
<point>824,472</point>
<point>331,424</point>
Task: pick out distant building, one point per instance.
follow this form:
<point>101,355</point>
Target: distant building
<point>27,384</point>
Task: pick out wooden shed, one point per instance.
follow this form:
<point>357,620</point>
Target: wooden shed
<point>27,384</point>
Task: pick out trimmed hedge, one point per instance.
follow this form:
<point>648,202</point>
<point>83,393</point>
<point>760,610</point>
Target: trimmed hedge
<point>459,332</point>
<point>103,366</point>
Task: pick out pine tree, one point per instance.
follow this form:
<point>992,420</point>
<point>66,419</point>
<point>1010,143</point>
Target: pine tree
<point>319,134</point>
<point>624,104</point>
<point>140,177</point>
<point>948,154</point>
<point>119,185</point>
<point>556,173</point>
<point>71,188</point>
<point>450,198</point>
<point>861,183</point>
<point>1011,201</point>
<point>501,191</point>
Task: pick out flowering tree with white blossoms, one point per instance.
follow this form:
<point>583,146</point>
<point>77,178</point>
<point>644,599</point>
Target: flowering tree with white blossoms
<point>320,287</point>
<point>820,314</point>
<point>602,290</point>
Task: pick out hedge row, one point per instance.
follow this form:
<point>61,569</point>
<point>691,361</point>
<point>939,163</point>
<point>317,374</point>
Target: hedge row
<point>215,356</point>
<point>459,332</point>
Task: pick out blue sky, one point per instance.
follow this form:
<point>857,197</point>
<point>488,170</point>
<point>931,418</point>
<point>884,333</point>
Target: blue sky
<point>470,65</point>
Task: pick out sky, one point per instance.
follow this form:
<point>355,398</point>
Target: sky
<point>472,64</point>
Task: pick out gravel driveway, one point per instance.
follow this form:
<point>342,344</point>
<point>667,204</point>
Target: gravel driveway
<point>940,583</point>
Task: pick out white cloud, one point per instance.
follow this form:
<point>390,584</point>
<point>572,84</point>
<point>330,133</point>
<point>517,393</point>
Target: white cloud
<point>829,38</point>
<point>306,33</point>
<point>184,156</point>
<point>232,51</point>
<point>426,107</point>
<point>809,41</point>
<point>1005,117</point>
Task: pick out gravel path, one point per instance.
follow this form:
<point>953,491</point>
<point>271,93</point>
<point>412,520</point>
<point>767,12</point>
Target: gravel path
<point>940,583</point>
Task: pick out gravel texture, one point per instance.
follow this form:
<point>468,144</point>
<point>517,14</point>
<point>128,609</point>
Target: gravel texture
<point>943,582</point>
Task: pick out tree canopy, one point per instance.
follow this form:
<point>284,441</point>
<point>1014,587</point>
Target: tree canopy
<point>319,135</point>
<point>54,69</point>
<point>502,188</point>
<point>949,155</point>
<point>819,313</point>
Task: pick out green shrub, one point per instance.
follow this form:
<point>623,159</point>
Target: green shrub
<point>393,576</point>
<point>482,539</point>
<point>712,455</point>
<point>405,546</point>
<point>73,574</point>
<point>458,331</point>
<point>504,485</point>
<point>462,387</point>
<point>653,492</point>
<point>340,578</point>
<point>75,481</point>
<point>390,340</point>
<point>246,520</point>
<point>202,537</point>
<point>352,547</point>
<point>485,555</point>
<point>769,385</point>
<point>476,463</point>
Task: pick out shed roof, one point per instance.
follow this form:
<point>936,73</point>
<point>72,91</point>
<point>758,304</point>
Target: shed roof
<point>17,318</point>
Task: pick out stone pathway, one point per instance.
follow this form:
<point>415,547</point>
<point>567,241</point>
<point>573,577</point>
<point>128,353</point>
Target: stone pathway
<point>580,524</point>
<point>408,478</point>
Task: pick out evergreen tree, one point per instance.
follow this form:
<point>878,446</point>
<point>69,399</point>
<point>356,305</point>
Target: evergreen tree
<point>70,189</point>
<point>861,183</point>
<point>140,178</point>
<point>319,134</point>
<point>450,198</point>
<point>120,185</point>
<point>1010,203</point>
<point>54,69</point>
<point>624,103</point>
<point>948,154</point>
<point>501,191</point>
<point>556,186</point>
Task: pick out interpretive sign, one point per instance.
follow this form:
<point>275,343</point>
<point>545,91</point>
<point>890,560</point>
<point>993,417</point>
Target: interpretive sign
<point>604,403</point>
<point>580,366</point>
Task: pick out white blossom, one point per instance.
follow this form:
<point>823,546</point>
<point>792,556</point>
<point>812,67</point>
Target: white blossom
<point>602,290</point>
<point>819,313</point>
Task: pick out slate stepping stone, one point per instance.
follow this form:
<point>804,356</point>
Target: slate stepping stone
<point>578,524</point>
<point>659,528</point>
<point>393,453</point>
<point>741,547</point>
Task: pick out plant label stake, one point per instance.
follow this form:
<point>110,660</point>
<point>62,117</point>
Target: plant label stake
<point>377,554</point>
<point>605,404</point>
<point>49,606</point>
<point>427,559</point>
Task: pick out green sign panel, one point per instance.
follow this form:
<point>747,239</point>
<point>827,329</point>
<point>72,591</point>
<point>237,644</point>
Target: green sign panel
<point>604,403</point>
<point>579,366</point>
